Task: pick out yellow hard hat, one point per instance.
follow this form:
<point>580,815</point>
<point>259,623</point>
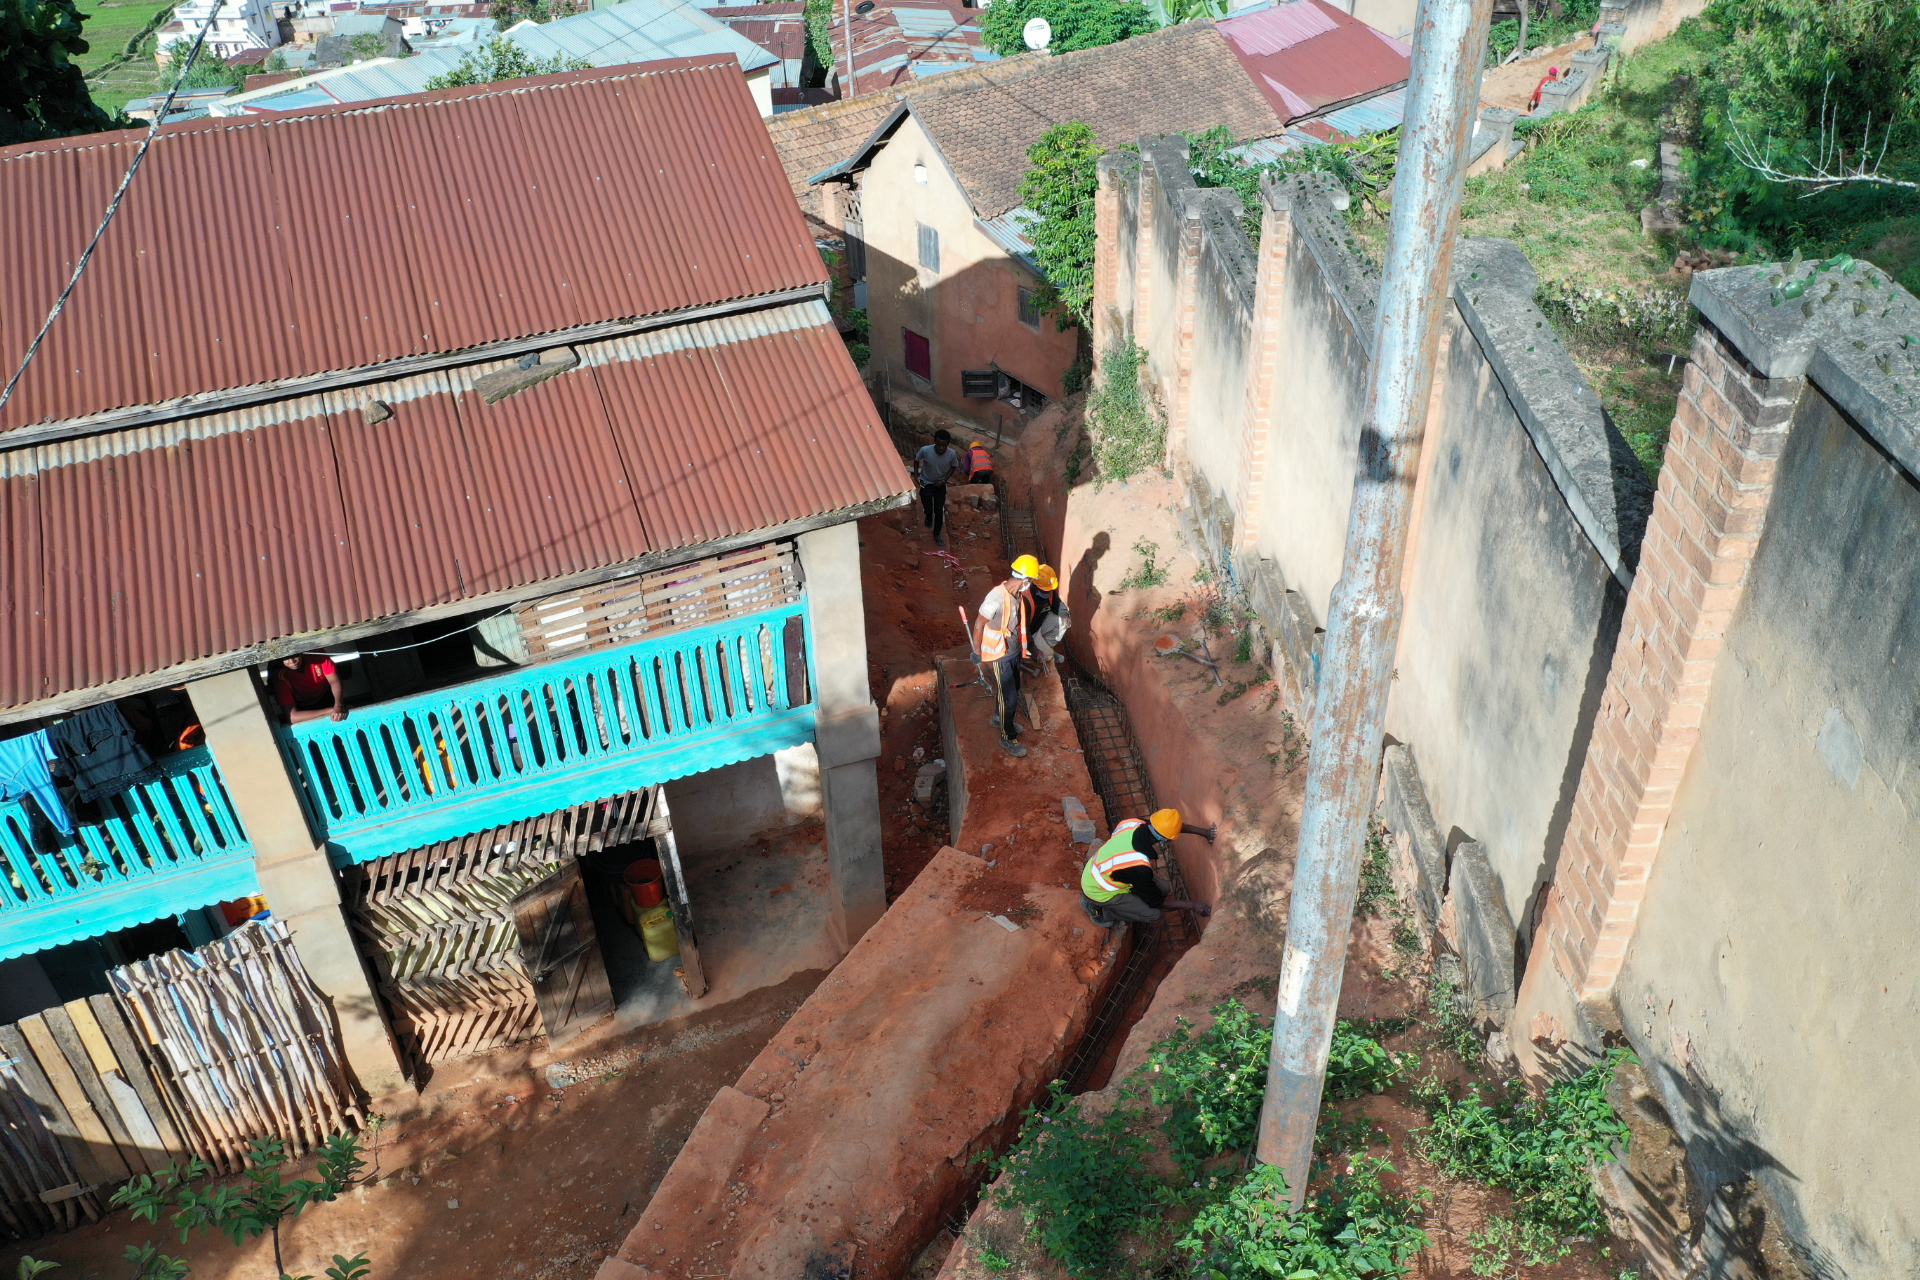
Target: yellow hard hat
<point>1026,567</point>
<point>1166,822</point>
<point>1047,578</point>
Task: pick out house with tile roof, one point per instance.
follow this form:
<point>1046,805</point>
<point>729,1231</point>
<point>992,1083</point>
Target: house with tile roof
<point>553,495</point>
<point>932,196</point>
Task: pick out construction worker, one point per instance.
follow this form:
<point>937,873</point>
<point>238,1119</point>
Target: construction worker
<point>979,464</point>
<point>1000,645</point>
<point>1119,884</point>
<point>1049,617</point>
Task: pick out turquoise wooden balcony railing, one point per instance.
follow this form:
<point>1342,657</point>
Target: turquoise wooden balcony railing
<point>402,774</point>
<point>168,846</point>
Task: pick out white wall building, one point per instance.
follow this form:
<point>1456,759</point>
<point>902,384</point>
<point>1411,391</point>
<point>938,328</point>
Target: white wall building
<point>241,25</point>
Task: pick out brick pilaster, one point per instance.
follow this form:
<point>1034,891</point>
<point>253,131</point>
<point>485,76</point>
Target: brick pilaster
<point>1269,296</point>
<point>1149,194</point>
<point>1185,276</point>
<point>1106,262</point>
<point>1709,511</point>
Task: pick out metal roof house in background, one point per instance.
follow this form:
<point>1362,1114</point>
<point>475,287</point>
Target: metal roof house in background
<point>581,355</point>
<point>780,29</point>
<point>1309,59</point>
<point>630,32</point>
<point>899,43</point>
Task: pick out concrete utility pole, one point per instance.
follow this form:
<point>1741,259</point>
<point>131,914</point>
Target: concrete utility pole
<point>846,17</point>
<point>1363,622</point>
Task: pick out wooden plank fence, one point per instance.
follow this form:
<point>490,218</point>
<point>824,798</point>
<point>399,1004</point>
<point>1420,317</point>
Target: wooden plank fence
<point>690,595</point>
<point>437,923</point>
<point>193,1054</point>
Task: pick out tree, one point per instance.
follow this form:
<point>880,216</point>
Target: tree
<point>1059,189</point>
<point>366,46</point>
<point>1077,24</point>
<point>206,71</point>
<point>502,58</point>
<point>42,93</point>
<point>245,1213</point>
<point>509,12</point>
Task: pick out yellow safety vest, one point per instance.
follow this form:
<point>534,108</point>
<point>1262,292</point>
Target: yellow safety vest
<point>1116,853</point>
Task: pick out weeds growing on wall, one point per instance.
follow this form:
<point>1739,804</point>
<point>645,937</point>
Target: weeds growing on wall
<point>1540,1150</point>
<point>1077,1182</point>
<point>1506,1246</point>
<point>1353,1229</point>
<point>1127,425</point>
<point>1362,166</point>
<point>1455,1032</point>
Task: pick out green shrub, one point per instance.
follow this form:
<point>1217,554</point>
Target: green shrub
<point>1149,572</point>
<point>1357,1063</point>
<point>1354,1228</point>
<point>1128,429</point>
<point>1077,24</point>
<point>1078,1183</point>
<point>1541,1151</point>
<point>1214,1081</point>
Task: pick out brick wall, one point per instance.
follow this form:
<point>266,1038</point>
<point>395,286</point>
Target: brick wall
<point>1709,510</point>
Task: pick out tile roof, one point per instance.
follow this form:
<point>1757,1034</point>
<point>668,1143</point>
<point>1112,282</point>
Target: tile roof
<point>1307,56</point>
<point>1180,80</point>
<point>456,220</point>
<point>812,138</point>
<point>131,552</point>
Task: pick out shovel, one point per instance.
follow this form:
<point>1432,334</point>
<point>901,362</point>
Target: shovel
<point>979,676</point>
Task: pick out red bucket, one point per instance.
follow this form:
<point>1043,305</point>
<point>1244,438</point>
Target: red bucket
<point>646,881</point>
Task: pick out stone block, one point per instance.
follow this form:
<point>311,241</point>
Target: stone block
<point>981,497</point>
<point>931,774</point>
<point>1419,850</point>
<point>1080,827</point>
<point>1483,934</point>
<point>529,371</point>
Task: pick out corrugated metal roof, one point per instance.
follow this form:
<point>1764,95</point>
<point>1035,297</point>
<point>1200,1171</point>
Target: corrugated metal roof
<point>635,31</point>
<point>441,222</point>
<point>896,43</point>
<point>134,551</point>
<point>1375,115</point>
<point>780,29</point>
<point>1306,56</point>
<point>1010,232</point>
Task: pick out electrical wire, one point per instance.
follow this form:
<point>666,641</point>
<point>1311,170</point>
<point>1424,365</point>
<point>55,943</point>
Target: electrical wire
<point>113,207</point>
<point>375,653</point>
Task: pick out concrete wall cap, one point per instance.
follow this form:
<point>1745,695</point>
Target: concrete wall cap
<point>1856,334</point>
<point>1603,483</point>
<point>1316,203</point>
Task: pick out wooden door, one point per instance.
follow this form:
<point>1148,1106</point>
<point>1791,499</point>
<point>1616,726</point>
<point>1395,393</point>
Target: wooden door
<point>562,955</point>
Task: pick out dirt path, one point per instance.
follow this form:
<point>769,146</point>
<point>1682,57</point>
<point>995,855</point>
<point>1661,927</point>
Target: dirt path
<point>1510,86</point>
<point>490,1174</point>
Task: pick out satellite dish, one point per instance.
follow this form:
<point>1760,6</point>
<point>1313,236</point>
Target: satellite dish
<point>1038,33</point>
<point>865,6</point>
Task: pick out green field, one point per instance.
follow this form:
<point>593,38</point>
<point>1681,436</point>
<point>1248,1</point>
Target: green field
<point>111,76</point>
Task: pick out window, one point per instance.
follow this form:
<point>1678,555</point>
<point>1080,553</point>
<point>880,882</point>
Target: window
<point>919,354</point>
<point>1029,313</point>
<point>929,247</point>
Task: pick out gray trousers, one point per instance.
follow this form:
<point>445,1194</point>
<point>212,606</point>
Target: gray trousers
<point>1127,908</point>
<point>1052,628</point>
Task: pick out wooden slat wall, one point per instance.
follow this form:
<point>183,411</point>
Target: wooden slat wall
<point>194,1054</point>
<point>691,595</point>
<point>241,1043</point>
<point>437,923</point>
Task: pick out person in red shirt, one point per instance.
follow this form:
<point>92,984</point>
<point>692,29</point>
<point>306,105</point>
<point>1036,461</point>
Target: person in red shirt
<point>307,687</point>
<point>1553,74</point>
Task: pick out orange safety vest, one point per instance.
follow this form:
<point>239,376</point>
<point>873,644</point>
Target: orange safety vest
<point>978,459</point>
<point>993,640</point>
<point>1116,853</point>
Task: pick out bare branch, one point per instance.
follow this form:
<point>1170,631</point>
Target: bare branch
<point>1829,168</point>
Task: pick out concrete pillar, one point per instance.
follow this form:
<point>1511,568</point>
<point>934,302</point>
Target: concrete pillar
<point>1143,251</point>
<point>1716,485</point>
<point>295,875</point>
<point>1106,261</point>
<point>846,729</point>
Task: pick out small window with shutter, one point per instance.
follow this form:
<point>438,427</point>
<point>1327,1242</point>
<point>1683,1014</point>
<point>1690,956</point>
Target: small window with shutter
<point>929,247</point>
<point>1029,312</point>
<point>979,384</point>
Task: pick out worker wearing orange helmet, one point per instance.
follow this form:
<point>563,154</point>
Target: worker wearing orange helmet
<point>1049,616</point>
<point>1001,643</point>
<point>1119,884</point>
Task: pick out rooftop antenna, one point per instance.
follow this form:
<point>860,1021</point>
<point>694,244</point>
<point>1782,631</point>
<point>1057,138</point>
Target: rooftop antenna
<point>1038,33</point>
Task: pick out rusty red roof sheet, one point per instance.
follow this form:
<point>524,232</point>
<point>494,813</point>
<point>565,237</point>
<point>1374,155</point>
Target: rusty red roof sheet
<point>252,251</point>
<point>130,552</point>
<point>1307,56</point>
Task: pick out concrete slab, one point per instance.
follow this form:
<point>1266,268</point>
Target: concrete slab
<point>856,1127</point>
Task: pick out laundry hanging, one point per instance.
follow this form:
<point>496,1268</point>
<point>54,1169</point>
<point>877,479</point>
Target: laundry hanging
<point>23,773</point>
<point>98,751</point>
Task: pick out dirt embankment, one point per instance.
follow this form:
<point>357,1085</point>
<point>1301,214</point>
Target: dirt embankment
<point>1512,86</point>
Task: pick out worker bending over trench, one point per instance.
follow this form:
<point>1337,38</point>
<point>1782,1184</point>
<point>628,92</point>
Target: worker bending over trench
<point>1119,884</point>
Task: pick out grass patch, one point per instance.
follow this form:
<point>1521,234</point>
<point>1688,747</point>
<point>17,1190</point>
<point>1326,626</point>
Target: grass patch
<point>116,75</point>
